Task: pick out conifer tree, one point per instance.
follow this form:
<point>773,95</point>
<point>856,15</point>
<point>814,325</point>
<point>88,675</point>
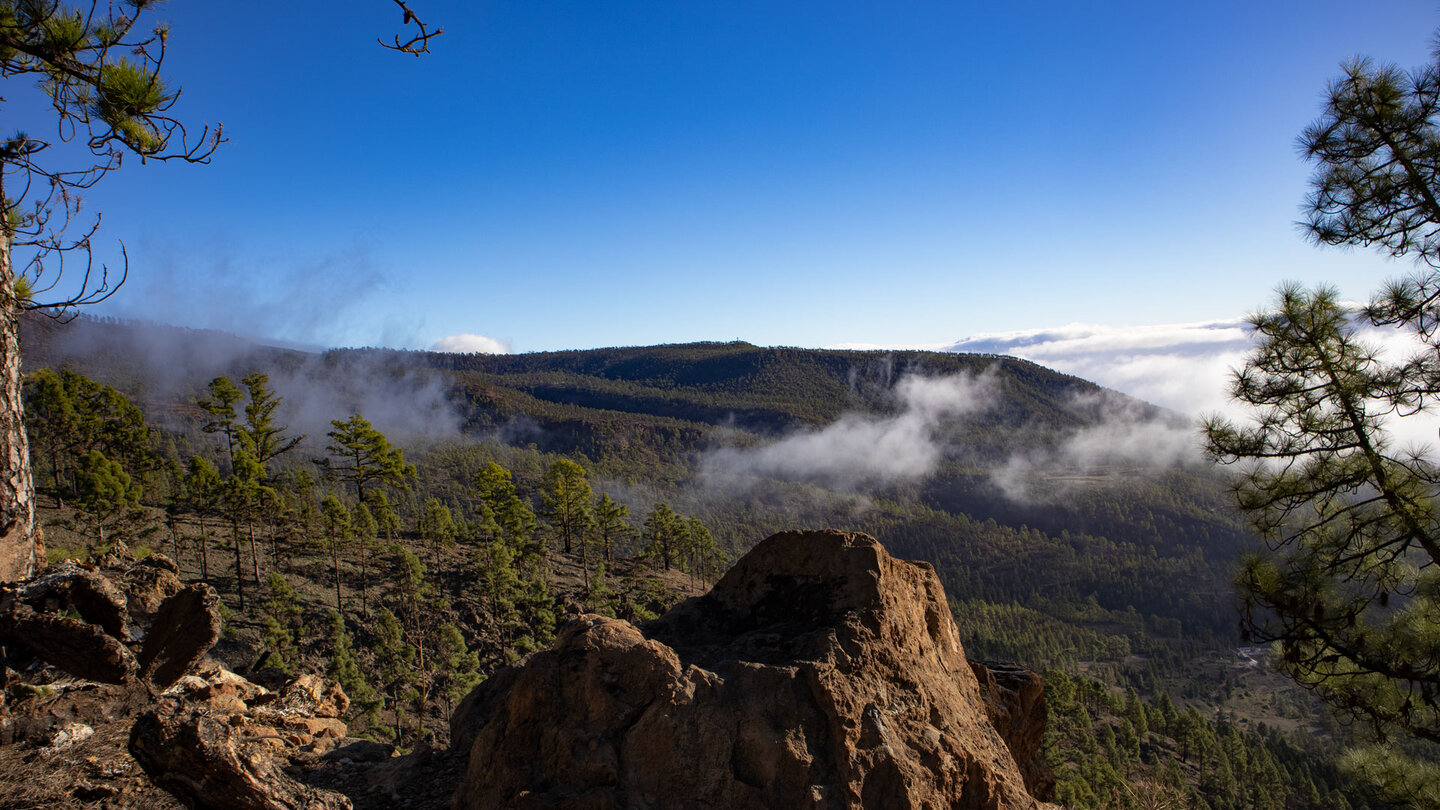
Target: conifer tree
<point>499,584</point>
<point>202,489</point>
<point>261,437</point>
<point>345,670</point>
<point>283,627</point>
<point>361,455</point>
<point>436,528</point>
<point>223,420</point>
<point>565,494</point>
<point>337,535</point>
<point>105,490</point>
<point>366,532</point>
<point>664,534</point>
<point>1352,521</point>
<point>514,521</point>
<point>100,70</point>
<point>458,670</point>
<point>396,661</point>
<point>611,524</point>
<point>700,548</point>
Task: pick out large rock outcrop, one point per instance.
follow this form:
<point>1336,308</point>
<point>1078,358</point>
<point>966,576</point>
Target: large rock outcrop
<point>820,672</point>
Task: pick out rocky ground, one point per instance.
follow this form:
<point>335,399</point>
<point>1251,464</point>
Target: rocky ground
<point>820,672</point>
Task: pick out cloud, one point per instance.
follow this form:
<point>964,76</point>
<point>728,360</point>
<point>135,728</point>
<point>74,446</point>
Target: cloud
<point>401,399</point>
<point>1185,367</point>
<point>859,450</point>
<point>1122,433</point>
<point>467,343</point>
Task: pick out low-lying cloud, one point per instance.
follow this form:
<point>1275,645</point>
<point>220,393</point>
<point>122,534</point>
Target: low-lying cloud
<point>402,400</point>
<point>468,343</point>
<point>1123,433</point>
<point>1185,367</point>
<point>860,451</point>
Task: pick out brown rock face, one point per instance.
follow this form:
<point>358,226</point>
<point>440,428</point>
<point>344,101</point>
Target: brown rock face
<point>148,583</point>
<point>820,672</point>
<point>184,627</point>
<point>1015,704</point>
<point>206,761</point>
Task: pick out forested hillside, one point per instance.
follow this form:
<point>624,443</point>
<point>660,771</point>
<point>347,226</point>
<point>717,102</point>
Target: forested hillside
<point>441,512</point>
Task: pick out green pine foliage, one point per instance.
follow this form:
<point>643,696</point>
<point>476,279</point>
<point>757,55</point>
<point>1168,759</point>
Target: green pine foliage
<point>283,625</point>
<point>345,670</point>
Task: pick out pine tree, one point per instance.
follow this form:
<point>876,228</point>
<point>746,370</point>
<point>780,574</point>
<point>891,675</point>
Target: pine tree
<point>101,71</point>
<point>105,490</point>
<point>458,671</point>
<point>514,521</point>
<point>261,437</point>
<point>565,494</point>
<point>611,525</point>
<point>337,535</point>
<point>202,491</point>
<point>436,528</point>
<point>366,533</point>
<point>362,456</point>
<point>664,535</point>
<point>396,661</point>
<point>1352,523</point>
<point>283,625</point>
<point>345,670</point>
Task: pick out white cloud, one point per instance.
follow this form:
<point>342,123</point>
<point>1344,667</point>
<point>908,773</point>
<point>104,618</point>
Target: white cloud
<point>859,450</point>
<point>1184,367</point>
<point>467,343</point>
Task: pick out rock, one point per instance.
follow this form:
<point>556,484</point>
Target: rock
<point>148,584</point>
<point>311,694</point>
<point>208,763</point>
<point>1015,704</point>
<point>67,736</point>
<point>83,588</point>
<point>185,627</point>
<point>820,672</point>
<point>352,751</point>
<point>220,690</point>
<point>80,648</point>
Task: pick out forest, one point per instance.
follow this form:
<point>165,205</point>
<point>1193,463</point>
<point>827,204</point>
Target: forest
<point>409,559</point>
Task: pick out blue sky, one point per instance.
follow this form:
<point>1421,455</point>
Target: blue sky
<point>578,174</point>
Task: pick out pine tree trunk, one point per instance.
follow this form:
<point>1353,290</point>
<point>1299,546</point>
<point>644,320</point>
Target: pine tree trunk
<point>364,578</point>
<point>335,563</point>
<point>254,552</point>
<point>239,564</point>
<point>204,554</point>
<point>19,537</point>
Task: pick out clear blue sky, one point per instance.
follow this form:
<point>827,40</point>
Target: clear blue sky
<point>578,174</point>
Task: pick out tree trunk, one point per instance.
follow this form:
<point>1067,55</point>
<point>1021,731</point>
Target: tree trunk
<point>254,552</point>
<point>335,562</point>
<point>239,564</point>
<point>204,554</point>
<point>20,546</point>
<point>364,577</point>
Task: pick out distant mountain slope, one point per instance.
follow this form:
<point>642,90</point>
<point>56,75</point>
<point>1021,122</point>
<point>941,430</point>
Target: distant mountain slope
<point>596,401</point>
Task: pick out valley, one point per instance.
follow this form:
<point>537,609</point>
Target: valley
<point>1077,532</point>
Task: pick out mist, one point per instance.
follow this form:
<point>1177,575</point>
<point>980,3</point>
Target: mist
<point>860,451</point>
<point>175,364</point>
<point>1124,436</point>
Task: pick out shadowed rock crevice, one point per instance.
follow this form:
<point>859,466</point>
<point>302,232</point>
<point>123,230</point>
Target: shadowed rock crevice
<point>819,672</point>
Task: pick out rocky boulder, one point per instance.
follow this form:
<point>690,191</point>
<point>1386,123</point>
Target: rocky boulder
<point>820,672</point>
<point>1015,705</point>
<point>215,762</point>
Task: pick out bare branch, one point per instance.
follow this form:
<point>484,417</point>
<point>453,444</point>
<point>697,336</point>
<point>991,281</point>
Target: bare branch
<point>418,44</point>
